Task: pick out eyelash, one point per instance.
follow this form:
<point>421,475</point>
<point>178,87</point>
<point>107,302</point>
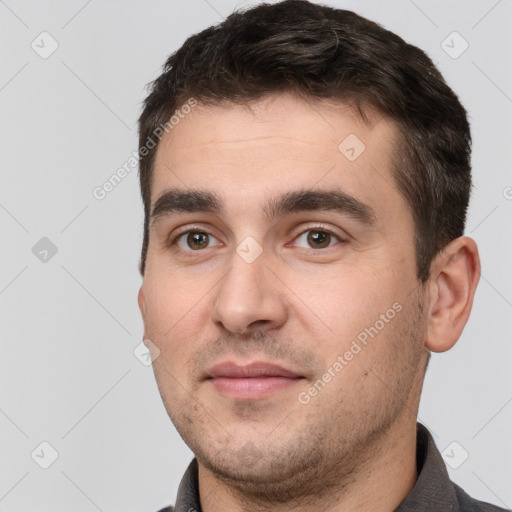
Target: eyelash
<point>319,228</point>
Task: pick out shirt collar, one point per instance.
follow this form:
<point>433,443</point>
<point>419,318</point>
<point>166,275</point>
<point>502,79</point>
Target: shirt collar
<point>433,489</point>
<point>187,499</point>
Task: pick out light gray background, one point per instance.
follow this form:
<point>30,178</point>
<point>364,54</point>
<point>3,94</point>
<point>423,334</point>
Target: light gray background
<point>69,325</point>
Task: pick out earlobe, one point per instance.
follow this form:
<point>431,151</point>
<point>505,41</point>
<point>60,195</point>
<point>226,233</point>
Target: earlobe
<point>454,276</point>
<point>142,306</point>
<point>141,300</point>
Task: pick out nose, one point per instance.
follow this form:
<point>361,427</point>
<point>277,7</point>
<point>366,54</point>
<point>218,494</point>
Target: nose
<point>249,297</point>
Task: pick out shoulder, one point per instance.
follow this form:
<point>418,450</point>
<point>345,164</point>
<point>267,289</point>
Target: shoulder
<point>469,504</point>
<point>170,508</point>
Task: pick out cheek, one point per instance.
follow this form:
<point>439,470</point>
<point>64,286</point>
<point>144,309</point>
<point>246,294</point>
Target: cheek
<point>344,300</point>
<point>363,317</point>
<point>176,312</point>
<point>173,296</point>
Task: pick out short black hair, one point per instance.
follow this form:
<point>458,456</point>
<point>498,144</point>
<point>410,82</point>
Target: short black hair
<point>321,52</point>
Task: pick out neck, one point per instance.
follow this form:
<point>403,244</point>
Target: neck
<point>381,480</point>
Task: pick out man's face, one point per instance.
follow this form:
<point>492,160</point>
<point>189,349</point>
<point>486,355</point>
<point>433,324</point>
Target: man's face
<point>302,283</point>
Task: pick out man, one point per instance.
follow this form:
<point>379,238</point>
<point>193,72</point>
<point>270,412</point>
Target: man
<point>305,177</point>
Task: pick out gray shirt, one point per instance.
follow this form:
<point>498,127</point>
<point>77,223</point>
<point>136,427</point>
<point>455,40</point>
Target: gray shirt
<point>433,491</point>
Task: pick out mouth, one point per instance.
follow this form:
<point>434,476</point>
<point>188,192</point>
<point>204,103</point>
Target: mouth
<point>253,381</point>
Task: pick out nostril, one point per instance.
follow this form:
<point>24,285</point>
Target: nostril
<point>258,323</point>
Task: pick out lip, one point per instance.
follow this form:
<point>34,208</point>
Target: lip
<point>253,381</point>
<point>253,370</point>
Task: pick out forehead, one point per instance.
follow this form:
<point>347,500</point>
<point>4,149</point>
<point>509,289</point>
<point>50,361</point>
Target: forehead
<point>276,145</point>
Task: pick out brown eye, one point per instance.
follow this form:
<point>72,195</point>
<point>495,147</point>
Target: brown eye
<point>317,239</point>
<point>197,240</point>
<point>194,240</point>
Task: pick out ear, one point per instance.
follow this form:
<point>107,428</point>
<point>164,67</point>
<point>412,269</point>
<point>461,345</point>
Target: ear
<point>142,307</point>
<point>454,275</point>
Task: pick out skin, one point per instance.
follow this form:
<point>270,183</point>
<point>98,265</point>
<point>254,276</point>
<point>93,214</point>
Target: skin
<point>353,445</point>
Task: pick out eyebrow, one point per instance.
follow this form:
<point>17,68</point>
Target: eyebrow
<point>175,201</point>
